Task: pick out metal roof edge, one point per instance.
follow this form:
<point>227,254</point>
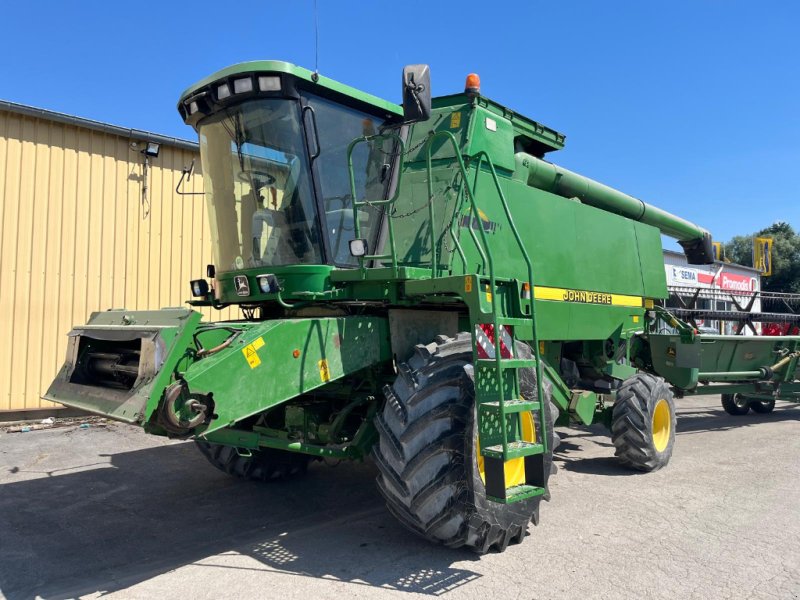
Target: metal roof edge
<point>716,262</point>
<point>133,134</point>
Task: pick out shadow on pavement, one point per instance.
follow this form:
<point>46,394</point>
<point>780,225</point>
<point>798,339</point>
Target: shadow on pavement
<point>702,421</point>
<point>599,465</point>
<point>154,510</point>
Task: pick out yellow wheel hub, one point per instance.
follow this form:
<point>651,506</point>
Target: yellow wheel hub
<point>515,468</point>
<point>661,425</point>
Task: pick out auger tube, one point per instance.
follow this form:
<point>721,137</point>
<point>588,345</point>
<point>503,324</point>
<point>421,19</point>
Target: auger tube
<point>695,240</point>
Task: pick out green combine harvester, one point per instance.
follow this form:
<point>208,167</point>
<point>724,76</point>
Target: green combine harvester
<point>419,285</point>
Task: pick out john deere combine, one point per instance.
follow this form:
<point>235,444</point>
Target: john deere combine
<point>420,285</point>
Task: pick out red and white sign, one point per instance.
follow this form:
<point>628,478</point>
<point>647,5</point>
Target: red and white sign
<point>690,276</point>
<point>737,283</point>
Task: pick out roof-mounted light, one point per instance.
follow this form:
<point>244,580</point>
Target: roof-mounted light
<point>223,91</point>
<point>473,84</point>
<point>241,86</point>
<point>193,108</point>
<point>269,83</point>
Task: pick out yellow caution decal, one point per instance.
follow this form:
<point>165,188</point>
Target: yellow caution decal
<point>251,352</point>
<point>586,297</point>
<point>324,370</point>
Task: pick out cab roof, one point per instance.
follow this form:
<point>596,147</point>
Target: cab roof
<point>277,66</point>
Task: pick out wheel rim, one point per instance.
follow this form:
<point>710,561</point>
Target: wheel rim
<point>661,425</point>
<point>740,401</point>
<point>514,469</point>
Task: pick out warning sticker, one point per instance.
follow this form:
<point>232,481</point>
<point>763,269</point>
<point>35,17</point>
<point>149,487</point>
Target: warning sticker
<point>324,370</point>
<point>455,120</point>
<point>467,284</point>
<point>251,352</point>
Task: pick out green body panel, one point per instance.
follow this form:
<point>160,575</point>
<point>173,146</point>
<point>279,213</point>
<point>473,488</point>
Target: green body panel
<point>717,358</point>
<point>326,350</point>
<point>572,245</point>
<point>346,345</point>
<point>493,134</point>
<point>740,353</point>
<point>299,282</point>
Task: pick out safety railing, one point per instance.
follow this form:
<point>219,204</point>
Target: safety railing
<point>385,204</point>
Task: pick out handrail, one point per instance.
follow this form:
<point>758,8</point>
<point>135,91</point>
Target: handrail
<point>387,202</point>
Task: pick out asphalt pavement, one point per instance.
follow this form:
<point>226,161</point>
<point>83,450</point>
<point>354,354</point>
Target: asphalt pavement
<point>107,511</point>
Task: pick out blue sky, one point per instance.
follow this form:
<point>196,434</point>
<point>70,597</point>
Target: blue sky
<point>692,105</point>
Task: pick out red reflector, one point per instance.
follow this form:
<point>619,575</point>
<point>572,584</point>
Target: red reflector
<point>484,336</point>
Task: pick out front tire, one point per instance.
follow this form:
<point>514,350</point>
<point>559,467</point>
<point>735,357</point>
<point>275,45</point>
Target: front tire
<point>643,423</point>
<point>427,452</point>
<point>266,464</point>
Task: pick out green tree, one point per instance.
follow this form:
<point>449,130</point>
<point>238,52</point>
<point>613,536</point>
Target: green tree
<point>785,256</point>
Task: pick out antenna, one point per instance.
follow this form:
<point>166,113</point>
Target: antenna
<point>315,74</point>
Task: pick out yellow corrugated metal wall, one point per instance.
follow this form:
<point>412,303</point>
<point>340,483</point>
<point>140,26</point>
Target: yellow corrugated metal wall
<point>75,237</point>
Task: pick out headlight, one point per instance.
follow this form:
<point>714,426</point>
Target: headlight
<point>358,247</point>
<point>199,288</point>
<point>268,283</point>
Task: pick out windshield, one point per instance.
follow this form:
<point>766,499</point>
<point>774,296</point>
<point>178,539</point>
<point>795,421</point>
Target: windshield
<point>256,178</point>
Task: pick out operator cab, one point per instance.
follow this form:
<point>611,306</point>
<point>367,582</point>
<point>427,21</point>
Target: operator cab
<point>273,144</point>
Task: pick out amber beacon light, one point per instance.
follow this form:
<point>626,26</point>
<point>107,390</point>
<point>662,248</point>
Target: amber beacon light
<point>473,84</point>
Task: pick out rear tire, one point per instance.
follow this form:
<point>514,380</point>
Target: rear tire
<point>736,404</point>
<point>426,452</point>
<point>762,407</point>
<point>643,423</point>
<point>262,465</point>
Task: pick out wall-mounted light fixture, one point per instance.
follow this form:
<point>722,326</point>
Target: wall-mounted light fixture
<point>151,149</point>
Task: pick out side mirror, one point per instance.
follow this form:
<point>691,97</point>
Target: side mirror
<point>416,93</point>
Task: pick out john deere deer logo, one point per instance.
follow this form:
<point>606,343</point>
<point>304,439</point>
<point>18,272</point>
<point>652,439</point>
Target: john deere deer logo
<point>242,287</point>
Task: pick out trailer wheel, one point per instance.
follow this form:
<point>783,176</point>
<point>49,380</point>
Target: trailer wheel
<point>427,451</point>
<point>762,407</point>
<point>266,464</point>
<point>736,404</point>
<point>643,422</point>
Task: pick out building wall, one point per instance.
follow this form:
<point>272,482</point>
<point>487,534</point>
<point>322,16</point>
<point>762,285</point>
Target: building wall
<point>76,237</point>
<point>719,284</point>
